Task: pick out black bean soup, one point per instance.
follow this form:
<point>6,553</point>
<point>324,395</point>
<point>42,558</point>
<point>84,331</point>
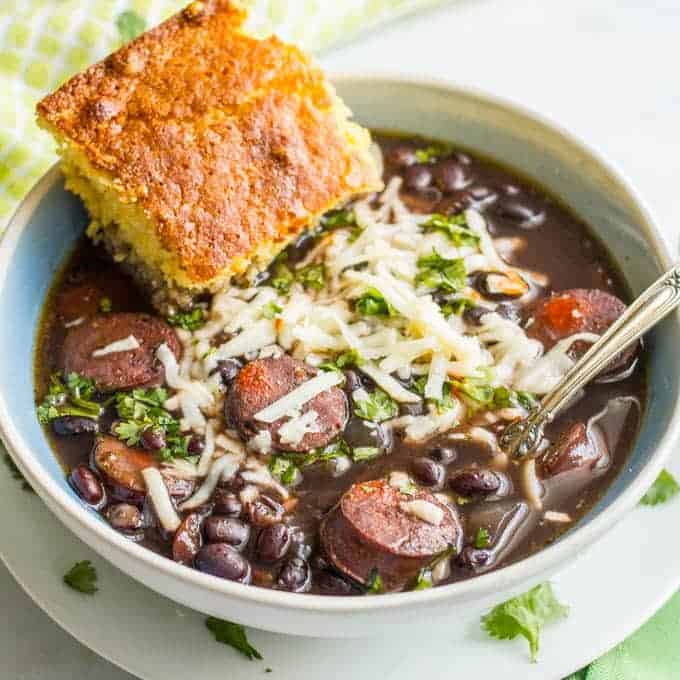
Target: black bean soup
<point>355,505</point>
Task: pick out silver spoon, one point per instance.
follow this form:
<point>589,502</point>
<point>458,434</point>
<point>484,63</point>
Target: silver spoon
<point>521,438</point>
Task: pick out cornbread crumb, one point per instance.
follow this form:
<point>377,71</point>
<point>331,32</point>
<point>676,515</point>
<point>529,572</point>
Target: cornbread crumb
<point>200,151</point>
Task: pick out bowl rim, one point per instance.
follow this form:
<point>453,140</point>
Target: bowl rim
<point>496,581</point>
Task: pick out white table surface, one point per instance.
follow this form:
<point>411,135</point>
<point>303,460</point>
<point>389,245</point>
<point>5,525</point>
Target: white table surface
<point>605,69</point>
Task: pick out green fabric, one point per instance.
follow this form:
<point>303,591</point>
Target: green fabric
<point>653,653</point>
<point>43,42</point>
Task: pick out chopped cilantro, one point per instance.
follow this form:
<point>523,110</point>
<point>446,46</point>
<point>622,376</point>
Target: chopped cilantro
<point>232,634</point>
<point>373,303</point>
<point>377,407</point>
<point>482,538</point>
<point>130,25</point>
<point>189,321</point>
<point>447,400</point>
<point>439,273</point>
<point>424,577</point>
<point>524,615</point>
<point>72,398</point>
<point>374,583</point>
<point>361,453</point>
<point>663,489</point>
<point>282,277</point>
<point>432,152</point>
<point>454,226</point>
<point>270,310</point>
<point>312,276</point>
<point>105,305</point>
<point>16,473</point>
<point>344,360</point>
<point>337,449</point>
<point>82,577</point>
<point>209,352</point>
<point>141,410</point>
<point>336,219</point>
<point>486,396</point>
<point>284,469</point>
<point>458,306</point>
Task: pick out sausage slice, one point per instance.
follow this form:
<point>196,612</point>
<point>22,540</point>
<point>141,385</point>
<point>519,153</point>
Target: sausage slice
<point>264,381</point>
<point>578,310</point>
<point>373,528</point>
<point>573,450</point>
<point>119,370</point>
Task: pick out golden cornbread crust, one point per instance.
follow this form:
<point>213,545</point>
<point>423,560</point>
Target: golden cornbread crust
<point>224,143</point>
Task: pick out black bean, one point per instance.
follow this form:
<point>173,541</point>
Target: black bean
<point>264,511</point>
<point>462,158</point>
<point>473,558</point>
<point>522,215</point>
<point>443,454</point>
<point>401,155</point>
<point>196,445</point>
<point>423,201</point>
<point>220,559</point>
<point>359,432</point>
<point>87,485</point>
<point>124,517</point>
<point>319,562</point>
<point>478,196</point>
<point>426,471</point>
<point>226,503</point>
<point>352,381</point>
<point>272,543</point>
<point>228,369</point>
<point>474,315</point>
<point>68,425</point>
<point>188,539</point>
<point>475,482</point>
<point>331,584</point>
<point>153,440</point>
<point>509,311</point>
<point>450,176</point>
<point>295,575</point>
<point>227,530</point>
<point>417,177</point>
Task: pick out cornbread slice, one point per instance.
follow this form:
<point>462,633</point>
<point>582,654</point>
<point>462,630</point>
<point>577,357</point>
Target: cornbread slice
<point>200,151</point>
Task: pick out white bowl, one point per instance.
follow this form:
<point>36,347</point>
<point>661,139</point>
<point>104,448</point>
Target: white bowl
<point>48,221</point>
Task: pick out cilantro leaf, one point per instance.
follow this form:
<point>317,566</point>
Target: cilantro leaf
<point>447,401</point>
<point>232,634</point>
<point>336,219</point>
<point>73,398</point>
<point>374,583</point>
<point>270,310</point>
<point>82,577</point>
<point>105,305</point>
<point>377,407</point>
<point>524,615</point>
<point>663,489</point>
<point>482,538</point>
<point>432,152</point>
<point>458,306</point>
<point>130,25</point>
<point>453,226</point>
<point>189,321</point>
<point>283,468</point>
<point>439,273</point>
<point>282,278</point>
<point>16,473</point>
<point>361,453</point>
<point>349,358</point>
<point>373,303</point>
<point>312,276</point>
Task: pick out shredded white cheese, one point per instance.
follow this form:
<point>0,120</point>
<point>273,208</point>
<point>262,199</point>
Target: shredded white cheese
<point>424,510</point>
<point>558,517</point>
<point>261,442</point>
<point>223,468</point>
<point>124,345</point>
<point>295,400</point>
<point>158,493</point>
<point>293,430</point>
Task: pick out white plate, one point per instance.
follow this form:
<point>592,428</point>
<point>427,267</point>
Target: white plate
<point>156,639</point>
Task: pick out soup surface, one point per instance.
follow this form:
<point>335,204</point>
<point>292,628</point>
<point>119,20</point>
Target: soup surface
<point>333,427</point>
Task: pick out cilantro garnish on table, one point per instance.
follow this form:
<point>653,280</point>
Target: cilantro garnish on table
<point>72,397</point>
<point>232,634</point>
<point>663,489</point>
<point>525,615</point>
<point>82,577</point>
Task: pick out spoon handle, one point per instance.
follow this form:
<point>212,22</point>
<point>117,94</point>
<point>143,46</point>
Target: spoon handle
<point>522,437</point>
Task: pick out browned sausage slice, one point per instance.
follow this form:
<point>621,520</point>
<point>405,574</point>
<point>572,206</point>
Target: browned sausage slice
<point>264,381</point>
<point>374,528</point>
<point>573,450</point>
<point>119,370</point>
<point>578,310</point>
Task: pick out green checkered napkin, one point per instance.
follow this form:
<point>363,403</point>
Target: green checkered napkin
<point>43,42</point>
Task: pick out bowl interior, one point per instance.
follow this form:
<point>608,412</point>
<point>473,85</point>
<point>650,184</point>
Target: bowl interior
<point>51,219</point>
